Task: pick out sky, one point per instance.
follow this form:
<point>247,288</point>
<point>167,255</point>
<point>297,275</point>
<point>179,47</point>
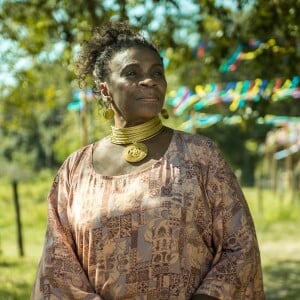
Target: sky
<point>6,77</point>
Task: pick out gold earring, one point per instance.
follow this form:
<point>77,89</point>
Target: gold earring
<point>164,113</point>
<point>108,113</point>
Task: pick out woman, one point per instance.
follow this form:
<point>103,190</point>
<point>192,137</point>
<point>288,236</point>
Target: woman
<point>147,212</point>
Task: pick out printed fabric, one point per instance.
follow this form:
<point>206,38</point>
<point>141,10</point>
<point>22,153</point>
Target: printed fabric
<point>176,229</point>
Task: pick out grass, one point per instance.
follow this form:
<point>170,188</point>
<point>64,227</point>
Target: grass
<point>17,273</point>
<point>277,220</point>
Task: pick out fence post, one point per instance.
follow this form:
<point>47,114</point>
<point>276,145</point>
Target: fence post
<point>18,217</point>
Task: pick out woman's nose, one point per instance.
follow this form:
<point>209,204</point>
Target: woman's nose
<point>148,81</point>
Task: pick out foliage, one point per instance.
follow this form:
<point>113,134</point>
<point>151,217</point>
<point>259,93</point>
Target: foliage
<point>46,36</point>
<point>31,114</point>
<point>261,21</point>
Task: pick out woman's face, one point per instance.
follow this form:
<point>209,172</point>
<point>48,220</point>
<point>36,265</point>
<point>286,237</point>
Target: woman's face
<point>137,86</point>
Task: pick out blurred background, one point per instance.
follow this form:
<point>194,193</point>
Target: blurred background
<point>233,75</point>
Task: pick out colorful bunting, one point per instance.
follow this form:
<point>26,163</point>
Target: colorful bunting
<point>231,63</point>
<point>201,120</point>
<point>286,138</point>
<point>234,93</point>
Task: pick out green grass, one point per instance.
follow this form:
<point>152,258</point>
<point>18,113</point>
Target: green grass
<point>277,223</point>
<point>17,273</point>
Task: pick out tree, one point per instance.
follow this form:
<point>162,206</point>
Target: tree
<point>49,33</point>
<point>274,26</point>
<point>45,35</point>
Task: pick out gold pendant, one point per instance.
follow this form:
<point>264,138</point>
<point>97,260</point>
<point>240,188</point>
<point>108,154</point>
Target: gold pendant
<point>108,114</point>
<point>135,152</point>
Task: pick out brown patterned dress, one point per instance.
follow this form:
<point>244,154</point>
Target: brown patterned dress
<point>173,230</point>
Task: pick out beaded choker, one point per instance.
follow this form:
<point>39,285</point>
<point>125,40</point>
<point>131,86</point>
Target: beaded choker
<point>136,151</point>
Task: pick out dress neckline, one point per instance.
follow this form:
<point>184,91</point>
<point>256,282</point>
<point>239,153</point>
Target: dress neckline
<point>134,173</point>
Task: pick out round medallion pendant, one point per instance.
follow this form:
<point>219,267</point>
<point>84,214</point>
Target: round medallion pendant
<point>135,152</point>
<point>108,114</point>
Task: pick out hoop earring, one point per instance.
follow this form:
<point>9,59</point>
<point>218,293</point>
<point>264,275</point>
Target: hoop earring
<point>164,113</point>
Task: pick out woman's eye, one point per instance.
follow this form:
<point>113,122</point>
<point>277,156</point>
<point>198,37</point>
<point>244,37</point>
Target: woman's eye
<point>131,73</point>
<point>158,73</point>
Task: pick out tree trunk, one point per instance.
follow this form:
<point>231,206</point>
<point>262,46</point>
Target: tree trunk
<point>248,177</point>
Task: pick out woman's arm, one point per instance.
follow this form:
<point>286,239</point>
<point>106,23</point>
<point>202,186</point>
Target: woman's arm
<point>60,274</point>
<point>236,268</point>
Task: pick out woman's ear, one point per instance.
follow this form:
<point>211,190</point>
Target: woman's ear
<point>104,90</point>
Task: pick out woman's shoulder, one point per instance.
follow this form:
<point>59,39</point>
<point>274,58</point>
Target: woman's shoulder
<point>79,153</point>
<point>198,148</point>
<point>77,157</point>
<point>194,139</point>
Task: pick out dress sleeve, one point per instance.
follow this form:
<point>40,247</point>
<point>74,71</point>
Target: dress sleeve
<point>60,274</point>
<point>236,268</point>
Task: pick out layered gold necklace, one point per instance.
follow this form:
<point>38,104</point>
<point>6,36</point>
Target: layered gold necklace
<point>133,136</point>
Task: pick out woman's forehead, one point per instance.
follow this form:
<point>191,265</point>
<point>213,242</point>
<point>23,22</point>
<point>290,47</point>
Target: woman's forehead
<point>135,55</point>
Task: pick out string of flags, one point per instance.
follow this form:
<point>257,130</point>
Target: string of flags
<point>231,63</point>
<point>235,94</point>
<point>286,139</point>
<point>201,120</point>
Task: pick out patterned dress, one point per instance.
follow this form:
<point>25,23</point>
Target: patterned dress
<point>178,228</point>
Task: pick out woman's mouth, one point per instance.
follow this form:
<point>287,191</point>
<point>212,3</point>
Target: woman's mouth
<point>149,99</point>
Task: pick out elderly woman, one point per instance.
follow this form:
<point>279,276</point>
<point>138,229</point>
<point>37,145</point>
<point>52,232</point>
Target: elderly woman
<point>147,212</point>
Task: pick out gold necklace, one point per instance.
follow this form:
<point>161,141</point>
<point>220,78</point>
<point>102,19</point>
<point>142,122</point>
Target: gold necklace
<point>136,151</point>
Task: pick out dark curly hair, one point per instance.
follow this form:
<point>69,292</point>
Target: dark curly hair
<point>104,43</point>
